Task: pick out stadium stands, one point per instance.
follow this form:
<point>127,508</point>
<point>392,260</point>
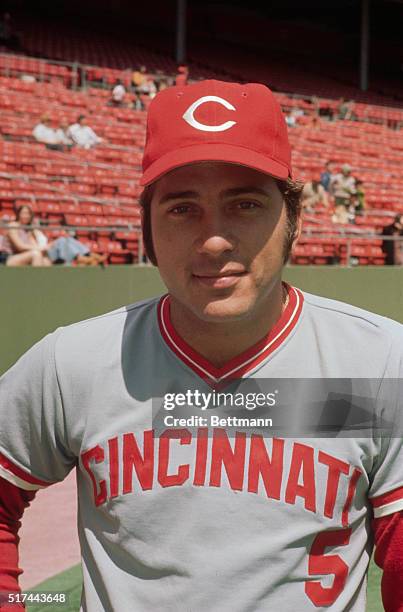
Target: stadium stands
<point>217,57</point>
<point>97,190</point>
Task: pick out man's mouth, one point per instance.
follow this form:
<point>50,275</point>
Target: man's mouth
<point>219,280</point>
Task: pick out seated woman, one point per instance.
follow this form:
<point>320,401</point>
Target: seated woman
<point>21,244</point>
<point>32,248</point>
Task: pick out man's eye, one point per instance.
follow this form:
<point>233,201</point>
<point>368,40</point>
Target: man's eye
<point>248,205</point>
<point>178,210</point>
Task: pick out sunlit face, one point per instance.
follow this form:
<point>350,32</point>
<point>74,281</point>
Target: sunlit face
<point>25,216</point>
<point>218,233</point>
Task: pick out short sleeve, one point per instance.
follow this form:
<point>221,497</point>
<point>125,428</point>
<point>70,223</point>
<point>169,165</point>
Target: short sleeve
<point>386,479</point>
<point>34,451</point>
<point>386,490</point>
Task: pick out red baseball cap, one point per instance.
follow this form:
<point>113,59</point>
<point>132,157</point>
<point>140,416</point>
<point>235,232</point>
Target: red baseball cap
<point>216,121</point>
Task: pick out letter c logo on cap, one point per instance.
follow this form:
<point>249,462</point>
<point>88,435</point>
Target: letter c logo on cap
<point>188,115</point>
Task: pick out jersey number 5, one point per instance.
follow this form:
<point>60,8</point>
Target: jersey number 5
<point>320,564</point>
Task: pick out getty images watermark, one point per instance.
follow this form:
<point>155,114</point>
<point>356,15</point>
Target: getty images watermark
<point>284,407</point>
<point>214,399</point>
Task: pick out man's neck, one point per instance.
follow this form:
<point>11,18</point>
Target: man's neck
<point>221,342</point>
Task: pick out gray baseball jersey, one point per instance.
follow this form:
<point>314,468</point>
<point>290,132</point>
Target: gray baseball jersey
<point>196,519</point>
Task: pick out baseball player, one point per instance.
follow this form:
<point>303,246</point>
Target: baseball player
<point>199,519</point>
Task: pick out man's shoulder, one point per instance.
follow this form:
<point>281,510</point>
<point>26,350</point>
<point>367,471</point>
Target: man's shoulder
<point>96,329</point>
<point>336,311</point>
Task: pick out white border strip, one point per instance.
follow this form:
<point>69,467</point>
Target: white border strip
<point>395,506</point>
<point>18,482</point>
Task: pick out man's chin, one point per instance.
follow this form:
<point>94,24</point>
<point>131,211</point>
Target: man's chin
<point>221,311</point>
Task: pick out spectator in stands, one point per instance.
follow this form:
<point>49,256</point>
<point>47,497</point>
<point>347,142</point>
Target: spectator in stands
<point>314,100</point>
<point>314,122</point>
<point>138,103</point>
<point>358,204</point>
<point>62,136</point>
<point>345,109</point>
<point>314,195</point>
<point>298,112</point>
<point>149,88</point>
<point>118,94</point>
<point>325,110</point>
<point>326,176</point>
<point>45,133</point>
<point>21,244</point>
<point>139,78</point>
<point>291,119</point>
<point>342,187</point>
<point>182,76</point>
<point>393,249</point>
<point>82,135</point>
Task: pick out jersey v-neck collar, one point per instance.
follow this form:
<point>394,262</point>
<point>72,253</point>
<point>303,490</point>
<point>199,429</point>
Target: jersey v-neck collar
<point>241,364</point>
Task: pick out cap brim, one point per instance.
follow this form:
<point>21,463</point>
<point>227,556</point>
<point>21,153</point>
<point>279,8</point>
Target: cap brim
<point>214,152</point>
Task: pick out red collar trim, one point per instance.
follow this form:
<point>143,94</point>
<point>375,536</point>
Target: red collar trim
<point>241,364</point>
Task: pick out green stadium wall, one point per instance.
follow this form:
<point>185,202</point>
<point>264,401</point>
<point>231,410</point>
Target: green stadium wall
<point>35,301</point>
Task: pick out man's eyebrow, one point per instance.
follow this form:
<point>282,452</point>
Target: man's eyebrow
<point>227,193</point>
<point>178,195</point>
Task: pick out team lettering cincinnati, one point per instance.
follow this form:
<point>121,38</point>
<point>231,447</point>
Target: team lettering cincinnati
<point>131,470</point>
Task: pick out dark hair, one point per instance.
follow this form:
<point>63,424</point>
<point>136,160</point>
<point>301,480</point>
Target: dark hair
<point>289,189</point>
<point>19,210</point>
<point>80,118</point>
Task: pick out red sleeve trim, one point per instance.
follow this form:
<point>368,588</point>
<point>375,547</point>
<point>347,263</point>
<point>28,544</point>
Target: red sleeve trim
<point>388,532</point>
<point>387,498</point>
<point>20,474</point>
<point>13,502</point>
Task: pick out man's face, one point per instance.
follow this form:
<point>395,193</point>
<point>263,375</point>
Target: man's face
<point>218,233</point>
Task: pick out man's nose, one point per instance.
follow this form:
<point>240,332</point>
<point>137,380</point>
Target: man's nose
<point>215,236</point>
